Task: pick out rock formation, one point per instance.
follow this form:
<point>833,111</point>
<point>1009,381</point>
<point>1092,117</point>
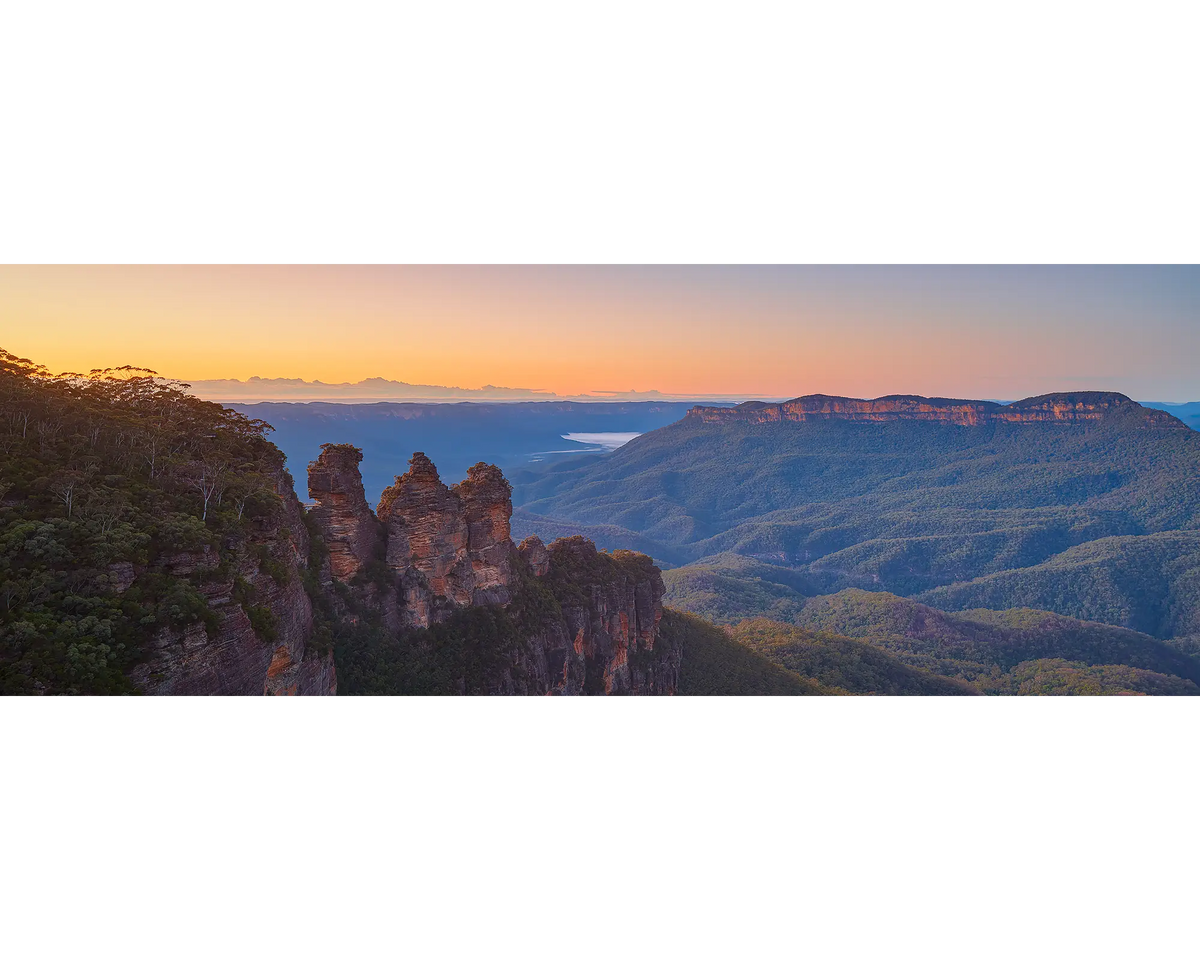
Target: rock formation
<point>448,547</point>
<point>608,640</point>
<point>602,634</point>
<point>350,530</point>
<point>534,553</point>
<point>1050,408</point>
<point>487,510</point>
<point>595,629</point>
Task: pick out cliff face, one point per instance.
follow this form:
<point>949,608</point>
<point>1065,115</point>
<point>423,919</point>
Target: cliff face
<point>1051,408</point>
<point>602,634</point>
<point>257,637</point>
<point>1074,407</point>
<point>608,640</point>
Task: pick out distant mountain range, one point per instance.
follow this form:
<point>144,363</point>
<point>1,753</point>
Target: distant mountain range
<point>380,389</point>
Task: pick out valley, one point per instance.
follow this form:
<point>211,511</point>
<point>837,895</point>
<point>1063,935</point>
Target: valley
<point>155,543</point>
<point>1093,514</point>
<point>457,435</point>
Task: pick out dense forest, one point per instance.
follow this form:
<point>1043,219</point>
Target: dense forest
<point>105,470</point>
<point>997,652</point>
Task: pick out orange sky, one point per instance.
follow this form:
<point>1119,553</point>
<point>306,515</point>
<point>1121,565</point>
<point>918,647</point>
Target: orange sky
<point>988,332</point>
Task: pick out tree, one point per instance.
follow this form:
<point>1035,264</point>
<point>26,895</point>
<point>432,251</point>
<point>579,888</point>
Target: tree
<point>208,477</point>
<point>64,491</point>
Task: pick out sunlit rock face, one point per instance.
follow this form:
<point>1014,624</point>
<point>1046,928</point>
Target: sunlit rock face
<point>349,528</point>
<point>448,546</point>
<point>1076,407</point>
<point>1050,408</point>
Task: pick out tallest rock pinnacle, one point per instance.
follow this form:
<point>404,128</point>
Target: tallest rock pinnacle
<point>448,544</point>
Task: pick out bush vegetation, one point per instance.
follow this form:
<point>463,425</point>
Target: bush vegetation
<point>102,473</point>
<point>1099,520</point>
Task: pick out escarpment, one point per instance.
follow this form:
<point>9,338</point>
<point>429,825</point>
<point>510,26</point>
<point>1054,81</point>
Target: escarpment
<point>257,635</point>
<point>1062,408</point>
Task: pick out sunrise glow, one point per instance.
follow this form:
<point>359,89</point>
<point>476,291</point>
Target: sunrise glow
<point>771,331</point>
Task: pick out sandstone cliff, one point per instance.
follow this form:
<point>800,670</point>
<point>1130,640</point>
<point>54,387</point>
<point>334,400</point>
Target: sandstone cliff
<point>1051,408</point>
<point>608,638</point>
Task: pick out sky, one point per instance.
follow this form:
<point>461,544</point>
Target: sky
<point>971,332</point>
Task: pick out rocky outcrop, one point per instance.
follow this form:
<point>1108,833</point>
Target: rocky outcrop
<point>608,639</point>
<point>534,553</point>
<point>587,622</point>
<point>349,528</point>
<point>1050,408</point>
<point>613,627</point>
<point>448,547</point>
<point>121,575</point>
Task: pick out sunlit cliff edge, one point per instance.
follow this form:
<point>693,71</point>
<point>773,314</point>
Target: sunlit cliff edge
<point>1048,408</point>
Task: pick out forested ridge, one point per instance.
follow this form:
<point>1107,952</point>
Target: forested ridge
<point>1097,520</point>
<point>101,472</point>
<point>862,641</point>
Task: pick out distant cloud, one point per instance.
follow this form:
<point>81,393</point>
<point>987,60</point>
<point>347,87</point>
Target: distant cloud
<point>373,388</point>
<point>630,393</point>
